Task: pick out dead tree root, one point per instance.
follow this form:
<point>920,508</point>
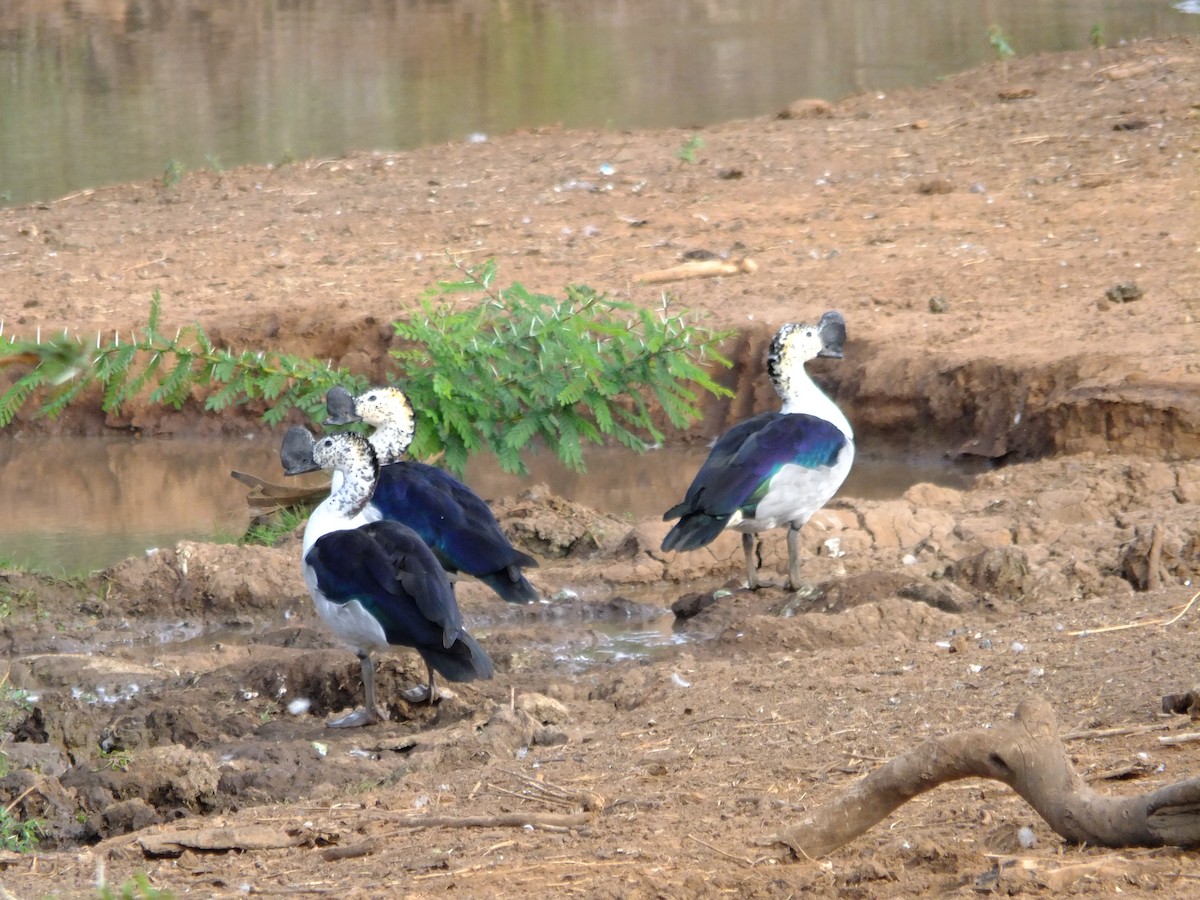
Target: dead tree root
<point>1027,754</point>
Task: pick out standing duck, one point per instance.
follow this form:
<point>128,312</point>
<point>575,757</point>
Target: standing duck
<point>376,584</point>
<point>451,518</point>
<point>775,469</point>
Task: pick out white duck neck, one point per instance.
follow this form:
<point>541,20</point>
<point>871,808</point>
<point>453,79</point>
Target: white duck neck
<point>353,484</point>
<point>390,442</point>
<point>800,394</point>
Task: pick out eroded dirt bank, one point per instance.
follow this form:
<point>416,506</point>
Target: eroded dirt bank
<point>969,232</point>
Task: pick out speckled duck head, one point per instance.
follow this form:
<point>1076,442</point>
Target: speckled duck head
<point>793,346</point>
<point>386,409</point>
<point>350,455</point>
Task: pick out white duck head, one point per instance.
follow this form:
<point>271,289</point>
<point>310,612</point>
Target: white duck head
<point>793,346</point>
<point>386,409</point>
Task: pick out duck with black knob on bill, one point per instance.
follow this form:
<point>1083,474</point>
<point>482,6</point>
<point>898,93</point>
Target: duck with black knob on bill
<point>775,469</point>
<point>376,584</point>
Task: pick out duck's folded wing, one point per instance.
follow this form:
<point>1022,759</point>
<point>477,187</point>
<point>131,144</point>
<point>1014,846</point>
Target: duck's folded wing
<point>455,521</point>
<point>744,459</point>
<point>391,572</point>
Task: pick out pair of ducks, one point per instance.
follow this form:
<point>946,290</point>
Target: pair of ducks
<point>377,550</point>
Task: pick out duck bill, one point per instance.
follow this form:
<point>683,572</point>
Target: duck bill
<point>832,329</point>
<point>339,407</point>
<point>295,453</point>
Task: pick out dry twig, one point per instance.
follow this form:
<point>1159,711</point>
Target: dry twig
<point>549,821</point>
<point>1189,738</point>
<point>1117,731</point>
<point>1164,622</point>
<point>702,268</point>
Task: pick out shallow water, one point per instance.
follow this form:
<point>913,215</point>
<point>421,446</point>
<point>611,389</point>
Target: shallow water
<point>77,504</point>
<point>617,640</point>
<point>94,92</point>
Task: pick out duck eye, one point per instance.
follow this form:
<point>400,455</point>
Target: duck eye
<point>371,398</point>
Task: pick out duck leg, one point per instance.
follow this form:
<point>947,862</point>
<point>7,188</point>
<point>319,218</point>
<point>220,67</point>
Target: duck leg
<point>751,561</point>
<point>369,714</point>
<point>793,544</point>
<point>422,692</point>
<point>794,582</point>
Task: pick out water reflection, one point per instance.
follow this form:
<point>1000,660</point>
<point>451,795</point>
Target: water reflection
<point>83,503</point>
<point>77,504</point>
<point>99,91</point>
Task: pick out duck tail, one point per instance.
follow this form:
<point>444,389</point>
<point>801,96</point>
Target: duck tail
<point>511,585</point>
<point>694,531</point>
<point>464,660</point>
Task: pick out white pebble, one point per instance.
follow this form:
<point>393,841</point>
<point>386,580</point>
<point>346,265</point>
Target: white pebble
<point>299,706</point>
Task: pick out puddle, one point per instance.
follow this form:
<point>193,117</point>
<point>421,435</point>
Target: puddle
<point>608,642</point>
<point>80,504</point>
<point>110,667</point>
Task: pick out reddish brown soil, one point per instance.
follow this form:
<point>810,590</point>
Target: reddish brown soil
<point>969,232</point>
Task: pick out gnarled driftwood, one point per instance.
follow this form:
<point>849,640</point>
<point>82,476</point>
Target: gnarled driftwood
<point>1027,754</point>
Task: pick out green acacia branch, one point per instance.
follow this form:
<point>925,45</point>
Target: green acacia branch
<point>63,368</point>
<point>514,368</point>
<point>567,371</point>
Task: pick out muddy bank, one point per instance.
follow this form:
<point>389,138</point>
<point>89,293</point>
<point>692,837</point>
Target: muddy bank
<point>196,680</point>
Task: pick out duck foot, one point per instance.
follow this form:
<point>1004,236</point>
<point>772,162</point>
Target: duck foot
<point>758,584</point>
<point>802,590</point>
<point>418,694</point>
<point>357,719</point>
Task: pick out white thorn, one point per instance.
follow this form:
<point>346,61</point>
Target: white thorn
<point>38,339</point>
<point>97,338</point>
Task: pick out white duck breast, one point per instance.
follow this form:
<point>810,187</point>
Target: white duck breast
<point>796,492</point>
<point>349,620</point>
